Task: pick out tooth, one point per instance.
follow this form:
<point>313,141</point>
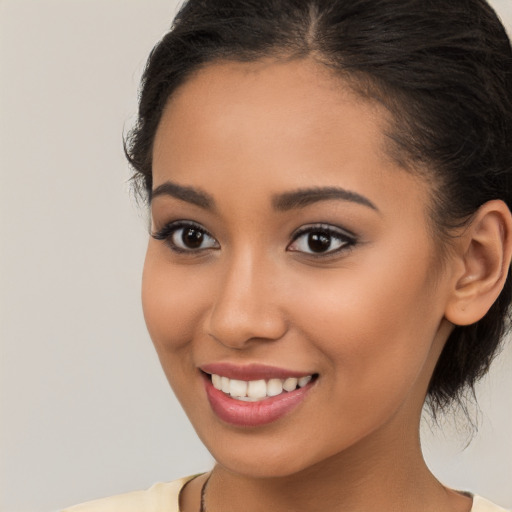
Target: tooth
<point>290,384</point>
<point>274,387</point>
<point>237,388</point>
<point>257,389</point>
<point>225,384</point>
<point>217,381</point>
<point>304,380</point>
<point>246,399</point>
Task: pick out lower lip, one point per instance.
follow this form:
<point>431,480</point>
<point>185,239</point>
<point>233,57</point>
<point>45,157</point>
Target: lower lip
<point>253,414</point>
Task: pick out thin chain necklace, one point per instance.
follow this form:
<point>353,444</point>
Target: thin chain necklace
<point>202,506</point>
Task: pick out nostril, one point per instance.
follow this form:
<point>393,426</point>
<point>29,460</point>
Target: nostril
<point>237,331</point>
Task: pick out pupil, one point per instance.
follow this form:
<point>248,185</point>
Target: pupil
<point>192,238</point>
<point>319,242</point>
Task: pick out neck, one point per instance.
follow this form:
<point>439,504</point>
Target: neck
<point>365,477</point>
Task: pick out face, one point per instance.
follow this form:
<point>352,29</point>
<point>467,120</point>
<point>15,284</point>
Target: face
<point>289,250</point>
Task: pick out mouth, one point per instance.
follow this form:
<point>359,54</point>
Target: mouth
<point>257,390</point>
<point>269,395</point>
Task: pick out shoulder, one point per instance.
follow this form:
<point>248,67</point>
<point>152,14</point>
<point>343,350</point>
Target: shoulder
<point>482,505</point>
<point>161,497</point>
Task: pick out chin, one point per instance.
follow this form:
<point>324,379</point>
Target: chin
<point>270,468</point>
<point>265,458</point>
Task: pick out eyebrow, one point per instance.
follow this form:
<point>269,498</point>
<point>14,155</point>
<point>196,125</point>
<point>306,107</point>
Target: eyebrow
<point>188,194</point>
<point>304,197</point>
<point>280,202</point>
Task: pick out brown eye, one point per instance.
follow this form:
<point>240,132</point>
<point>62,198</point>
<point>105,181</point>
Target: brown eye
<point>319,242</point>
<point>321,239</point>
<point>185,236</point>
<point>192,238</point>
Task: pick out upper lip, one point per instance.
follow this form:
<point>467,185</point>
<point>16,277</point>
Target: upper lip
<point>252,371</point>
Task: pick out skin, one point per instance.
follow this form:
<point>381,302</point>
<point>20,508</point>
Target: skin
<point>370,320</point>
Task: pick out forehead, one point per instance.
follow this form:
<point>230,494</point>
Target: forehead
<point>280,124</point>
<point>292,99</point>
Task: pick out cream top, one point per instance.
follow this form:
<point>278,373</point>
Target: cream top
<point>164,497</point>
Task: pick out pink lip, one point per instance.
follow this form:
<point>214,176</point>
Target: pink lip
<point>253,414</point>
<point>250,371</point>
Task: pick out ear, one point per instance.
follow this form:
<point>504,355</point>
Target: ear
<point>483,256</point>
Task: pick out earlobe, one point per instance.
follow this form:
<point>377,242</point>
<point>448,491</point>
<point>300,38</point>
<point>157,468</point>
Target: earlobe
<point>484,251</point>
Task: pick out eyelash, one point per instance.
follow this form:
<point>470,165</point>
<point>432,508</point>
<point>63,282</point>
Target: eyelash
<point>346,239</point>
<point>169,230</point>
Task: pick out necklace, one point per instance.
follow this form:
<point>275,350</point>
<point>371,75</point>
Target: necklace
<point>202,507</point>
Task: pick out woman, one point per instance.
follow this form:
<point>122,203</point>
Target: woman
<point>329,185</point>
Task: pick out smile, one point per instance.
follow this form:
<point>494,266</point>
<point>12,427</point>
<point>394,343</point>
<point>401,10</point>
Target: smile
<point>257,390</point>
<point>254,395</point>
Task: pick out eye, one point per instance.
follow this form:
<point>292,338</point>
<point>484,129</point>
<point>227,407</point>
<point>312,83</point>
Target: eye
<point>186,236</point>
<point>321,239</point>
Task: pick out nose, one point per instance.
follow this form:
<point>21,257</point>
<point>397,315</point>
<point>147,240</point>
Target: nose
<point>245,306</point>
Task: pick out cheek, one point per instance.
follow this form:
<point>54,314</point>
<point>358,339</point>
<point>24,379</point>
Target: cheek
<point>375,321</point>
<point>172,301</point>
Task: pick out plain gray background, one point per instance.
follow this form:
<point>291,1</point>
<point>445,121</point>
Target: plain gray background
<point>85,408</point>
